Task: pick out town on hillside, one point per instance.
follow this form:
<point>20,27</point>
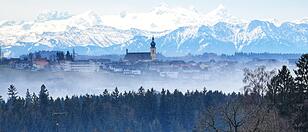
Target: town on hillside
<point>145,63</point>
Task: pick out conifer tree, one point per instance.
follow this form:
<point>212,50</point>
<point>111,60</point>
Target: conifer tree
<point>301,93</point>
<point>12,92</point>
<point>105,93</point>
<point>141,91</point>
<point>43,99</point>
<point>28,99</point>
<point>115,93</point>
<point>281,90</point>
<point>302,78</point>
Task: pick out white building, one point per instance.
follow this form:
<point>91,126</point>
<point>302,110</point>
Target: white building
<point>80,66</point>
<point>132,72</point>
<point>169,74</point>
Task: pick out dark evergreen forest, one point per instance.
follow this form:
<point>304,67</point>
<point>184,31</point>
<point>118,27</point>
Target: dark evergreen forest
<point>271,101</point>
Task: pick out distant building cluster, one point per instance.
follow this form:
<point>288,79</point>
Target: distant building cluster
<point>141,63</point>
<point>133,63</point>
<point>169,69</point>
<point>49,61</point>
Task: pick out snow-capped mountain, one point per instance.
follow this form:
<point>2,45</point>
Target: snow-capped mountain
<point>165,18</point>
<point>178,31</point>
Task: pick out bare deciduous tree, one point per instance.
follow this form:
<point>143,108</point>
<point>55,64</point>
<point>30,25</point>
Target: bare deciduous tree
<point>238,116</point>
<point>256,80</point>
<point>209,120</point>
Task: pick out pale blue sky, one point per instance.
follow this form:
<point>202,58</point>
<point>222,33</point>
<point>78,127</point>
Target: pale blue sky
<point>247,9</point>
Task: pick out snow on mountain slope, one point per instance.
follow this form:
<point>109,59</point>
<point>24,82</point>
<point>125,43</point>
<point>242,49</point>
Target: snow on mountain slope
<point>302,21</point>
<point>224,38</point>
<point>221,14</point>
<point>167,18</point>
<point>159,19</point>
<point>178,31</point>
<point>53,24</point>
<point>52,15</point>
<point>34,31</point>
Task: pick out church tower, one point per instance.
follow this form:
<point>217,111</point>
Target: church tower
<point>0,54</point>
<point>153,49</point>
<point>74,55</point>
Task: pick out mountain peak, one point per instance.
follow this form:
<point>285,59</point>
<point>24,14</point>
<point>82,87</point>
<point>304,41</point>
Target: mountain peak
<point>162,6</point>
<point>88,19</point>
<point>221,7</point>
<point>52,15</point>
<point>220,11</point>
<point>161,9</point>
<point>90,13</point>
<point>221,14</point>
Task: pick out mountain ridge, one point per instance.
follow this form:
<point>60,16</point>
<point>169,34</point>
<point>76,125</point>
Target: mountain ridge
<point>90,34</point>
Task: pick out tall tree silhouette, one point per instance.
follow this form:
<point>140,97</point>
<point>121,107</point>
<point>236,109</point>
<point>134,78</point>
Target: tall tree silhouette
<point>302,77</point>
<point>282,90</point>
<point>301,80</point>
<point>12,92</point>
<point>43,100</point>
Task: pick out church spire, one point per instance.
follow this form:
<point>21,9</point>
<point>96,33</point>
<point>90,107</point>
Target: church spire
<point>153,43</point>
<point>153,49</point>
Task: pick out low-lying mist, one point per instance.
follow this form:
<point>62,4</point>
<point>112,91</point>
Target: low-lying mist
<point>61,84</point>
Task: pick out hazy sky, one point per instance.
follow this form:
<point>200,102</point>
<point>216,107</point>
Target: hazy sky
<point>247,9</point>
